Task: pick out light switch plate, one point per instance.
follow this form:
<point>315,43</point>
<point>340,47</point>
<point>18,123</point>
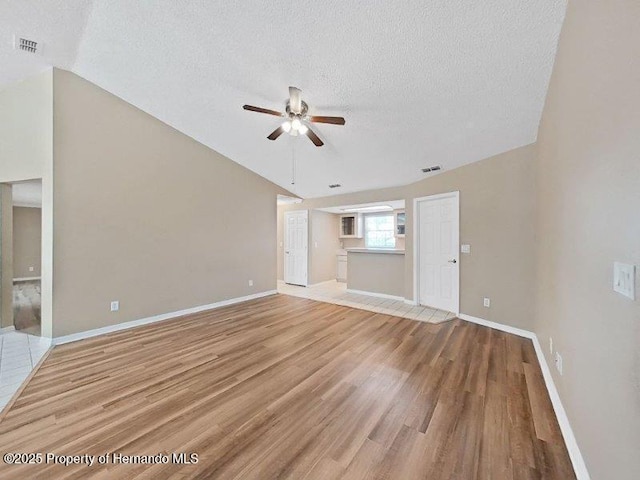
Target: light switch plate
<point>624,279</point>
<point>465,248</point>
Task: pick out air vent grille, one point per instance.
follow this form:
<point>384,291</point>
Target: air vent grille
<point>335,185</point>
<point>27,45</point>
<point>435,168</point>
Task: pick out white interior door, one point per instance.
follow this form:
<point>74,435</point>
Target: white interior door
<point>437,251</point>
<point>296,244</point>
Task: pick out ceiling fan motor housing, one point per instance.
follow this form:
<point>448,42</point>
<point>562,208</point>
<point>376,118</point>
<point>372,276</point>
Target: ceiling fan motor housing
<point>303,110</point>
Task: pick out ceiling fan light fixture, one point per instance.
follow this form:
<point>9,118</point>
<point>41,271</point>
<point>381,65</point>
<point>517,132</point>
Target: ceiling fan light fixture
<point>296,121</point>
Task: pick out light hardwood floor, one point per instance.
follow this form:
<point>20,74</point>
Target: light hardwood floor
<point>285,387</point>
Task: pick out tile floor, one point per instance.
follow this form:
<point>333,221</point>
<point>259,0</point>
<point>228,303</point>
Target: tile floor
<point>19,354</point>
<point>336,292</point>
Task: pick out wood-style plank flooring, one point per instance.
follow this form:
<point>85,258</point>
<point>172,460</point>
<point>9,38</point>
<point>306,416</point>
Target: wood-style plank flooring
<point>285,387</point>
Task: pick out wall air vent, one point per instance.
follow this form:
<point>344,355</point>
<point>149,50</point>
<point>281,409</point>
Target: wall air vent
<point>435,168</point>
<point>27,45</point>
<point>335,185</point>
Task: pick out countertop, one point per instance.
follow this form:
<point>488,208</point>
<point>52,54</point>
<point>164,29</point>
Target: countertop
<point>389,251</point>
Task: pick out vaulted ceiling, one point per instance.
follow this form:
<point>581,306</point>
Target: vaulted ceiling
<point>419,82</point>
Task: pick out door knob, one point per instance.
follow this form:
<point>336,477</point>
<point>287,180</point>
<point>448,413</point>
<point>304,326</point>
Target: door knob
<point>453,261</point>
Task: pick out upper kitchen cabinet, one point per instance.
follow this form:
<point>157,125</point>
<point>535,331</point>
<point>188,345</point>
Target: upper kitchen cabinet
<point>351,225</point>
<point>401,222</point>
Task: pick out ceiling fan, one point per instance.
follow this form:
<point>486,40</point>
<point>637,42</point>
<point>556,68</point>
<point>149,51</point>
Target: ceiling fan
<point>296,118</point>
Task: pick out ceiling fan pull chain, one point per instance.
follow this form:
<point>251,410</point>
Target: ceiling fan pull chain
<point>293,163</point>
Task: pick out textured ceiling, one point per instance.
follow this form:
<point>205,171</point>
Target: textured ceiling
<point>56,23</point>
<point>419,83</point>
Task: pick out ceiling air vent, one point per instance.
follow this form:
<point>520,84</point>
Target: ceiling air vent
<point>435,168</point>
<point>27,45</point>
<point>335,185</point>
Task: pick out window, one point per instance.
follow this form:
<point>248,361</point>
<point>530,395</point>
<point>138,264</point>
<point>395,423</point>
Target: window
<point>379,231</point>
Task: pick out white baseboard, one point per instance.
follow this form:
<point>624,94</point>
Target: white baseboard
<point>575,455</point>
<point>498,326</point>
<point>410,302</point>
<point>579,466</point>
<point>8,329</point>
<point>156,318</point>
<point>374,294</point>
<point>26,279</point>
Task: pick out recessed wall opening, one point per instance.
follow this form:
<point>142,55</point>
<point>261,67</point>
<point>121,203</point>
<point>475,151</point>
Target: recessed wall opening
<point>21,265</point>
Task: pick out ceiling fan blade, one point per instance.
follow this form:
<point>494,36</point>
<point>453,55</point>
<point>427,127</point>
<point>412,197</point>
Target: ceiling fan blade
<point>314,138</point>
<point>331,120</point>
<point>276,133</point>
<point>295,100</point>
<point>251,108</point>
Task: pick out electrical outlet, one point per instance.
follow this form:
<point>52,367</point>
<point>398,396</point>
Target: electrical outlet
<point>115,306</point>
<point>551,345</point>
<point>251,283</point>
<point>465,248</point>
<point>624,279</point>
<point>487,302</point>
<point>31,269</point>
<point>559,363</point>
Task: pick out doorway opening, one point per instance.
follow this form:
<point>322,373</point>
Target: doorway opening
<point>21,244</point>
<point>436,266</point>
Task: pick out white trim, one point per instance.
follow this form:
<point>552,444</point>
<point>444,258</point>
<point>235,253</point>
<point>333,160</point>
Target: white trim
<point>374,294</point>
<point>577,461</point>
<point>8,329</point>
<point>26,205</point>
<point>25,279</point>
<point>498,326</point>
<point>410,302</point>
<point>156,318</point>
<point>416,244</point>
<point>570,441</point>
<point>305,214</point>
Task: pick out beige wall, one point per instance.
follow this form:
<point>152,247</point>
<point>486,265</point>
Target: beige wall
<point>323,246</point>
<point>26,128</point>
<point>148,216</point>
<point>6,256</point>
<point>376,273</point>
<point>27,241</point>
<point>496,219</point>
<point>280,241</point>
<point>589,216</point>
